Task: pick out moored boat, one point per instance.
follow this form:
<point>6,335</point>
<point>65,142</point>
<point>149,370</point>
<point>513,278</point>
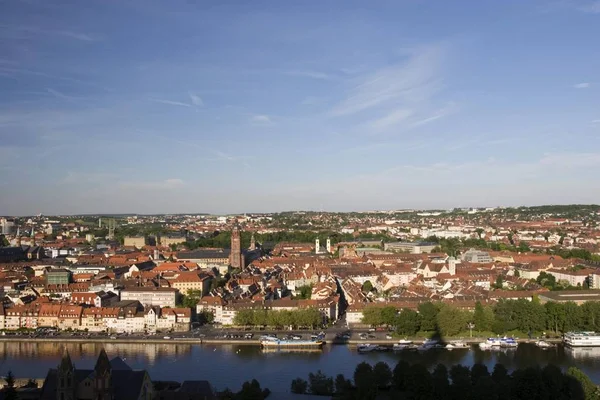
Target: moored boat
<point>366,348</point>
<point>457,345</point>
<point>508,342</point>
<point>582,339</point>
<point>271,343</point>
<point>544,345</point>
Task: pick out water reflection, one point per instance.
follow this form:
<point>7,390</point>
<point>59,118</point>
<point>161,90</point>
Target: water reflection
<point>231,365</point>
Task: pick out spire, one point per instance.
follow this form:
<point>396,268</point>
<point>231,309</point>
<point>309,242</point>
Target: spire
<point>252,242</point>
<point>103,364</point>
<point>65,363</point>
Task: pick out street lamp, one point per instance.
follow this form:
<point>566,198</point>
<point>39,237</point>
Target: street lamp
<point>470,325</point>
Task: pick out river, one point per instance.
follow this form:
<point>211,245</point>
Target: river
<point>231,365</point>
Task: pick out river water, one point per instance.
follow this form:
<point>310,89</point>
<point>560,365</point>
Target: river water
<point>231,365</point>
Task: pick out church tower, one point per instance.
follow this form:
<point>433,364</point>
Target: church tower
<point>236,259</point>
<point>252,243</point>
<point>102,378</point>
<point>65,373</point>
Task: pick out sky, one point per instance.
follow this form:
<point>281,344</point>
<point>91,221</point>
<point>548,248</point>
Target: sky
<point>146,106</point>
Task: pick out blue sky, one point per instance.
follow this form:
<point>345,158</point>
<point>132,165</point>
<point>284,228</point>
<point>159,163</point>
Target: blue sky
<point>235,106</point>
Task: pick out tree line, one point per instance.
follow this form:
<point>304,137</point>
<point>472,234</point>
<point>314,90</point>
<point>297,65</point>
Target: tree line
<point>415,381</point>
<point>524,316</point>
<point>279,319</point>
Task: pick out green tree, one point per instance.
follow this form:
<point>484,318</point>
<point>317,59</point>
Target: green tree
<point>573,317</point>
<point>305,292</point>
<point>389,315</point>
<point>555,316</point>
<point>365,381</point>
<point>10,392</point>
<point>400,375</point>
<point>461,382</point>
<point>407,322</point>
<point>343,386</point>
<point>590,390</point>
<point>3,241</point>
<point>191,299</point>
<point>499,282</point>
<point>251,391</point>
<point>372,316</point>
<point>483,317</point>
<point>419,383</point>
<point>244,318</point>
<point>428,315</point>
<point>367,287</point>
<point>441,386</point>
<point>451,320</point>
<point>299,386</point>
<point>319,384</point>
<point>382,374</point>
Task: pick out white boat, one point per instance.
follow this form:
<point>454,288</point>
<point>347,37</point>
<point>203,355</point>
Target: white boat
<point>493,342</point>
<point>508,342</point>
<point>402,345</point>
<point>485,346</point>
<point>543,345</point>
<point>429,344</point>
<point>366,348</point>
<point>582,339</point>
<point>457,345</point>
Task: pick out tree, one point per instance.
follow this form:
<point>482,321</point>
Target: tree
<point>483,317</point>
<point>382,374</point>
<point>367,287</point>
<point>428,315</point>
<point>419,382</point>
<point>342,385</point>
<point>546,280</point>
<point>191,299</point>
<point>372,316</point>
<point>365,381</point>
<point>305,292</point>
<point>3,241</point>
<point>451,320</point>
<point>589,389</point>
<point>499,282</point>
<point>320,384</point>
<point>299,386</point>
<point>10,393</point>
<point>440,382</point>
<point>244,317</point>
<point>555,316</point>
<point>461,382</point>
<point>389,316</point>
<point>251,391</point>
<point>407,322</point>
<point>206,317</point>
<point>400,375</point>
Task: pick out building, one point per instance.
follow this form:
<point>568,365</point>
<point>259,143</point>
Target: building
<point>172,240</point>
<point>109,380</point>
<point>477,256</point>
<point>413,248</point>
<point>134,241</point>
<point>149,296</point>
<point>58,276</point>
<point>191,281</point>
<point>236,258</point>
<point>577,296</point>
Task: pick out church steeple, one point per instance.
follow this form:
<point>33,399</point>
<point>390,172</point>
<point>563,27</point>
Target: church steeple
<point>252,242</point>
<point>66,377</point>
<point>103,389</point>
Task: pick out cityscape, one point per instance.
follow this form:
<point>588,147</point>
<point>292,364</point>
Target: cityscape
<point>299,200</point>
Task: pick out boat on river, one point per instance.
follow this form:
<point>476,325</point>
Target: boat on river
<point>457,345</point>
<point>544,345</point>
<point>508,342</point>
<point>268,342</point>
<point>582,339</point>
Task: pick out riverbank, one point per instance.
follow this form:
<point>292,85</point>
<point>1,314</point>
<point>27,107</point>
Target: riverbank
<point>251,342</point>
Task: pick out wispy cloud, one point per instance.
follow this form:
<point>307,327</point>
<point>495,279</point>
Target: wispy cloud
<point>582,85</point>
<point>591,8</point>
<point>261,119</point>
<point>442,112</point>
<point>16,31</point>
<point>309,74</point>
<point>59,94</point>
<point>412,81</point>
<point>196,100</point>
<point>392,118</point>
<point>170,102</point>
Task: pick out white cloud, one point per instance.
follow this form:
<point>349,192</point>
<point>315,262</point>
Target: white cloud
<point>582,85</point>
<point>196,100</point>
<point>261,119</point>
<point>309,74</point>
<point>392,118</point>
<point>591,8</point>
<point>416,80</point>
<point>170,102</point>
